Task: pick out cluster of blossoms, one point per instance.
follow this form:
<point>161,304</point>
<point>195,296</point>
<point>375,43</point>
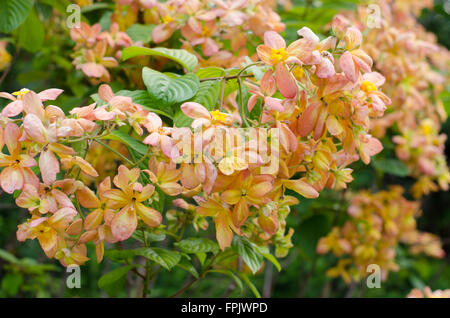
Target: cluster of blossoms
<point>316,101</point>
<point>378,223</point>
<point>322,123</point>
<point>217,32</point>
<point>408,57</point>
<point>5,57</point>
<point>96,51</point>
<point>428,293</point>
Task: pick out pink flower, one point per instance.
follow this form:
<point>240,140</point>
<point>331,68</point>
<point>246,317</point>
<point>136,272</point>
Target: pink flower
<point>16,106</point>
<point>17,170</point>
<point>354,59</point>
<point>159,135</point>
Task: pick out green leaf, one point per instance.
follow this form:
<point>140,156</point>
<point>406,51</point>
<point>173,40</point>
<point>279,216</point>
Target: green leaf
<point>391,166</point>
<point>197,245</point>
<point>128,141</point>
<point>248,252</point>
<point>208,72</point>
<point>144,99</point>
<point>165,258</point>
<point>230,274</point>
<point>7,256</point>
<point>264,251</point>
<point>201,257</point>
<point>149,236</point>
<point>113,281</point>
<point>120,255</point>
<point>187,266</point>
<point>232,84</point>
<point>187,60</point>
<point>60,5</point>
<point>141,32</point>
<point>208,94</point>
<point>181,120</point>
<point>31,32</point>
<point>96,6</point>
<point>167,90</point>
<point>13,13</point>
<point>11,283</point>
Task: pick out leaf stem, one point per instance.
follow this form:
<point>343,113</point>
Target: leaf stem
<point>115,152</point>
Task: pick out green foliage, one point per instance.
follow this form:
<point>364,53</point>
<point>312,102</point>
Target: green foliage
<point>113,281</point>
<point>127,140</point>
<point>187,60</point>
<point>31,32</point>
<point>13,13</point>
<point>194,245</point>
<point>140,32</point>
<point>168,90</point>
<point>246,249</point>
<point>392,166</point>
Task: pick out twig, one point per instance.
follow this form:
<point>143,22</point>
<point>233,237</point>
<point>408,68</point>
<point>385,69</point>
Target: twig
<point>226,78</point>
<point>115,152</point>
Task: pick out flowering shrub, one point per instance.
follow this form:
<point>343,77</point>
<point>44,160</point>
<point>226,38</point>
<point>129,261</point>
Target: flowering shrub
<point>323,101</point>
<point>212,124</point>
<point>410,55</point>
<point>378,223</point>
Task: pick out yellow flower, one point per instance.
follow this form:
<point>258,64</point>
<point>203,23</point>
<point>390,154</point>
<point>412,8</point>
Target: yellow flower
<point>167,19</point>
<point>368,87</point>
<point>218,116</point>
<point>278,55</point>
<point>22,92</point>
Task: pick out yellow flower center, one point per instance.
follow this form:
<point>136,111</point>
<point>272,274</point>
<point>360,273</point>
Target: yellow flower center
<point>42,228</point>
<point>427,127</point>
<point>22,92</point>
<point>368,87</point>
<point>278,55</point>
<point>206,32</point>
<point>167,18</point>
<point>298,72</point>
<point>218,116</point>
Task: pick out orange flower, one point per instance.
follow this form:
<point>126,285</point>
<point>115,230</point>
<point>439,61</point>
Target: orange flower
<point>247,190</point>
<point>218,209</point>
<point>17,170</point>
<point>129,199</point>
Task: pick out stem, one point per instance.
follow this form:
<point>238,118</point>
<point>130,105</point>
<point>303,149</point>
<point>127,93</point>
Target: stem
<point>222,93</point>
<point>241,105</point>
<point>226,78</point>
<point>302,290</point>
<point>147,272</point>
<point>184,288</point>
<point>200,276</point>
<point>143,158</point>
<point>115,152</point>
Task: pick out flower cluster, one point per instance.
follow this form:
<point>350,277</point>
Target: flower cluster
<point>321,118</point>
<point>219,33</point>
<point>96,51</point>
<point>378,223</point>
<point>428,293</point>
<point>306,119</point>
<point>407,56</point>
